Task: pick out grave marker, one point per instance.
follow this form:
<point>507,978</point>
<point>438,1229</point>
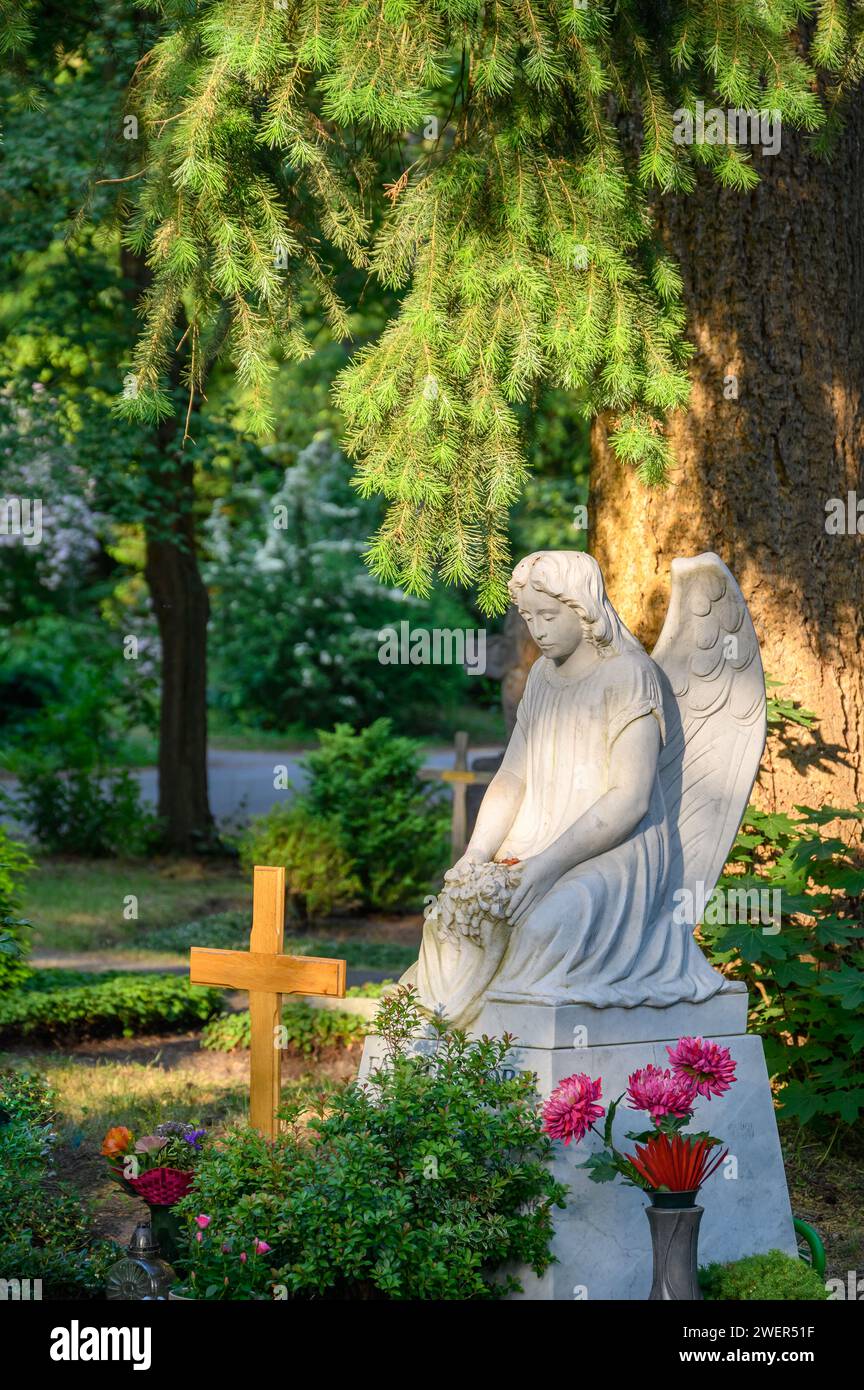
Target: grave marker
<point>267,974</point>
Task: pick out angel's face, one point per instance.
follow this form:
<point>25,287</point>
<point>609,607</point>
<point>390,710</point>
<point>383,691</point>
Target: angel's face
<point>555,627</point>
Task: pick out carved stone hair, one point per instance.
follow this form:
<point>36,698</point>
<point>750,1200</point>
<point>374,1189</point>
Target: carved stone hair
<point>574,578</point>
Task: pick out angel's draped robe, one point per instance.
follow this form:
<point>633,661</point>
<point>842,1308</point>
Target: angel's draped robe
<point>605,933</point>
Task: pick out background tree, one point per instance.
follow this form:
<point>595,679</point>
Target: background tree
<point>503,172</point>
<point>774,286</point>
<point>544,201</point>
<point>69,318</point>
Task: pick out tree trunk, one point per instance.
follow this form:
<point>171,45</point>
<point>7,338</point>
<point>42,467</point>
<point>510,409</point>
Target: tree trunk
<point>181,605</point>
<point>509,657</point>
<point>773,283</point>
<point>182,608</point>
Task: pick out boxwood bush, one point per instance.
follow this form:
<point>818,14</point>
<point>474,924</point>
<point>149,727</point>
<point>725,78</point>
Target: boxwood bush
<point>365,783</point>
<point>319,872</point>
<point>307,1030</point>
<point>769,1277</point>
<point>15,864</point>
<point>428,1181</point>
<point>119,1006</point>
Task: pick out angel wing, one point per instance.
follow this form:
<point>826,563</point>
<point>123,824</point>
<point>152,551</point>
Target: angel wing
<point>714,706</point>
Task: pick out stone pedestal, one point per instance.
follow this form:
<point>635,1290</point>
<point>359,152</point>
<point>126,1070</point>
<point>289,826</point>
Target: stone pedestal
<point>602,1241</point>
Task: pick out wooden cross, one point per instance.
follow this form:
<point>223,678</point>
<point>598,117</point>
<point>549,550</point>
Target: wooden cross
<point>267,975</point>
<point>461,777</point>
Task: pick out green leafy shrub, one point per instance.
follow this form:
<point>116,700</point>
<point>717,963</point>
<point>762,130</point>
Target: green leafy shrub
<point>769,1277</point>
<point>366,783</point>
<point>44,1226</point>
<point>72,794</point>
<point>93,811</point>
<point>121,1006</point>
<point>47,978</point>
<point>806,979</point>
<point>308,1031</point>
<point>785,709</point>
<point>372,989</point>
<point>425,1182</point>
<point>15,864</point>
<point>319,872</point>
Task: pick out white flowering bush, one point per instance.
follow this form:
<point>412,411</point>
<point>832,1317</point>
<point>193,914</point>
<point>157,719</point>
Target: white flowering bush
<point>296,614</point>
<point>35,466</point>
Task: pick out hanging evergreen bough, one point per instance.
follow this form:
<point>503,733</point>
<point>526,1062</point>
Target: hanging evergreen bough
<point>492,162</point>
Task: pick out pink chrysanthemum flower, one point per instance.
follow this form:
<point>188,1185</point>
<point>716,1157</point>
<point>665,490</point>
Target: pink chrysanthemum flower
<point>709,1065</point>
<point>661,1092</point>
<point>571,1109</point>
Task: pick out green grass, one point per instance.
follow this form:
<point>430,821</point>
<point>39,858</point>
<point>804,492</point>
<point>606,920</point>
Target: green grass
<point>79,905</point>
<point>90,1099</point>
<point>229,931</point>
<point>223,733</point>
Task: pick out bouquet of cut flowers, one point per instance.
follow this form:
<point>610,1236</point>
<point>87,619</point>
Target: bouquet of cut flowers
<point>666,1159</point>
<point>158,1167</point>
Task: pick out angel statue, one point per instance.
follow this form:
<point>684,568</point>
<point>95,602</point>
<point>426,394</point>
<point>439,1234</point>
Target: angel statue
<point>601,837</point>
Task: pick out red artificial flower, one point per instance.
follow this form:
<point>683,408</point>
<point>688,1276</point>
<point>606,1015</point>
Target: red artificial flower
<point>571,1110</point>
<point>678,1163</point>
<point>707,1063</point>
<point>661,1092</point>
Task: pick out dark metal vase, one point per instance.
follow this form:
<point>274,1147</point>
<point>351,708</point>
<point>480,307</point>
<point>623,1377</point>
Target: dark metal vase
<point>166,1229</point>
<point>674,1220</point>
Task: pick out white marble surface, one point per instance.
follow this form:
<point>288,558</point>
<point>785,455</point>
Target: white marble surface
<point>569,1025</point>
<point>602,1239</point>
<point>618,798</point>
<point>602,1242</point>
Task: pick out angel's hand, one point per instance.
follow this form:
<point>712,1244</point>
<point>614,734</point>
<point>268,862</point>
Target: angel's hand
<point>471,856</point>
<point>536,876</point>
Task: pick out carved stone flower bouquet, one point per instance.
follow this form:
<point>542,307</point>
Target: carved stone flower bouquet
<point>467,931</point>
<point>475,900</point>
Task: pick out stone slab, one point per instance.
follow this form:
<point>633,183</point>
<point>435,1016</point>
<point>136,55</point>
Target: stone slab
<point>569,1025</point>
<point>602,1241</point>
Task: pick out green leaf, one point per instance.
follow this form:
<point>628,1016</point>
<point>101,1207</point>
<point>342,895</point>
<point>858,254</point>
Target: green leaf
<point>601,1167</point>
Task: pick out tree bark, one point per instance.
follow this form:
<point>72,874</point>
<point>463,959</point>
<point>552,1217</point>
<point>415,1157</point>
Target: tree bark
<point>182,609</point>
<point>510,654</point>
<point>773,285</point>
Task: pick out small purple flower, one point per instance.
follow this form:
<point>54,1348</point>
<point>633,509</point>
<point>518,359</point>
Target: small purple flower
<point>170,1128</point>
<point>194,1138</point>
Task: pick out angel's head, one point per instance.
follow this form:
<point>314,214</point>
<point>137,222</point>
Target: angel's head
<point>562,597</point>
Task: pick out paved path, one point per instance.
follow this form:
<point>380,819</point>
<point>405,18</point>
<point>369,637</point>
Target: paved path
<point>242,782</point>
